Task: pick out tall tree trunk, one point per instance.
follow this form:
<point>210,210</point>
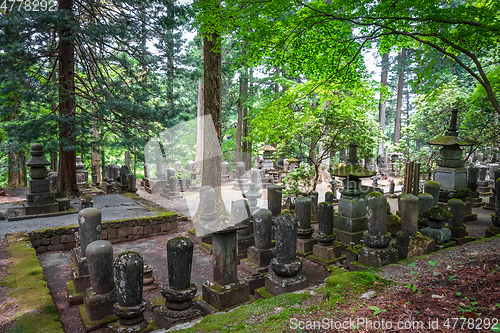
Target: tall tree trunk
<point>23,176</point>
<point>95,166</point>
<point>211,174</point>
<point>248,140</point>
<point>127,159</point>
<point>66,182</point>
<point>198,161</point>
<point>382,103</point>
<point>13,176</point>
<point>399,99</point>
<point>244,125</point>
<point>239,122</point>
<point>53,161</point>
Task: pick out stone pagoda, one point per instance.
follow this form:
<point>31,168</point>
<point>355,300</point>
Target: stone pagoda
<point>267,154</point>
<point>350,223</point>
<point>40,199</point>
<point>451,173</point>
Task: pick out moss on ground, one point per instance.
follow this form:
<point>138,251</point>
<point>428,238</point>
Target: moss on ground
<point>36,312</point>
<point>239,319</point>
<point>349,285</point>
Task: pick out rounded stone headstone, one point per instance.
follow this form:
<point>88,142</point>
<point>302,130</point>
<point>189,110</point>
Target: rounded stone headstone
<point>376,213</point>
<point>240,169</point>
<point>285,233</point>
<point>432,187</point>
<point>274,195</point>
<point>483,170</point>
<point>190,166</point>
<point>131,182</point>
<point>129,268</point>
<point>263,225</point>
<point>325,223</point>
<point>207,200</point>
<point>425,201</point>
<point>329,197</point>
<point>472,177</point>
<point>314,202</point>
<point>100,263</point>
<point>170,173</point>
<point>456,207</point>
<point>240,211</point>
<point>224,168</point>
<point>179,261</point>
<point>177,165</point>
<point>410,206</point>
<point>303,214</point>
<point>89,223</point>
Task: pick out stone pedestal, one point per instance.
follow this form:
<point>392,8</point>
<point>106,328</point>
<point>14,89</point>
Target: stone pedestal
<point>459,233</point>
<point>225,290</point>
<point>260,255</point>
<point>179,292</point>
<point>495,218</point>
<point>39,200</point>
<point>285,267</point>
<point>483,187</point>
<point>378,251</point>
<point>128,268</point>
<point>98,300</point>
<point>82,175</point>
<point>79,271</point>
<point>350,223</point>
<point>436,218</point>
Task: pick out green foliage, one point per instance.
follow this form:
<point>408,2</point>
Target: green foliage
<point>299,181</point>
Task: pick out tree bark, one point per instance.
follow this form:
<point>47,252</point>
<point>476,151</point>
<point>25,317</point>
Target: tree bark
<point>23,176</point>
<point>67,137</point>
<point>95,158</point>
<point>198,161</point>
<point>53,161</point>
<point>239,122</point>
<point>383,103</point>
<point>127,159</point>
<point>13,176</point>
<point>244,125</point>
<point>399,98</point>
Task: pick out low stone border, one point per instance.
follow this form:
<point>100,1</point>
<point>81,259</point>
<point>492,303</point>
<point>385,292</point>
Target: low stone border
<point>115,231</point>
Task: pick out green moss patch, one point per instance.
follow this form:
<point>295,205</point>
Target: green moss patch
<point>350,285</point>
<point>36,311</point>
<point>277,311</point>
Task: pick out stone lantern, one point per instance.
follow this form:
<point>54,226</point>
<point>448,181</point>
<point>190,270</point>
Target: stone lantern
<point>451,173</point>
<point>350,223</point>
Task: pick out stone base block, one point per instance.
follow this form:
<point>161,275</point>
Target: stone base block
<point>463,240</point>
<point>350,224</point>
<point>142,327</point>
<point>166,318</point>
<point>445,245</point>
<point>243,243</point>
<point>492,231</point>
<point>94,325</point>
<point>74,298</point>
<point>80,282</point>
<point>459,232</point>
<point>420,245</point>
<point>260,258</point>
<point>478,204</point>
<point>98,306</point>
<point>327,252</point>
<point>40,209</point>
<point>278,285</point>
<point>250,267</point>
<point>441,236</point>
<point>206,247</point>
<point>64,204</point>
<point>402,250</point>
<point>377,257</point>
<point>305,245</point>
<point>324,262</point>
<point>470,217</point>
<point>255,281</point>
<point>349,237</point>
<point>223,297</point>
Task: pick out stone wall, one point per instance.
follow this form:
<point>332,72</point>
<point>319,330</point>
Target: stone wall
<point>63,238</point>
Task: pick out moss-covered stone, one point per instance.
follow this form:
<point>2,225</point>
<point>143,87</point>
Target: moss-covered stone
<point>393,223</point>
<point>36,307</point>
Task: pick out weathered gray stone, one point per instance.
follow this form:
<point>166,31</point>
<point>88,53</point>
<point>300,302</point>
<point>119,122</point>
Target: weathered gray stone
<point>303,214</point>
<point>262,221</point>
<point>89,222</point>
<point>274,195</point>
<point>286,263</point>
<point>432,187</point>
<point>326,235</point>
<point>410,206</point>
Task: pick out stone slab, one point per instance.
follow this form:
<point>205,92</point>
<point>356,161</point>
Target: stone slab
<point>278,285</point>
<point>166,318</point>
<point>349,237</point>
<point>227,296</point>
<point>324,262</point>
<point>74,298</point>
<point>349,224</point>
<point>260,258</point>
<point>80,282</point>
<point>305,245</point>
<point>251,267</point>
<point>41,209</point>
<point>327,252</point>
<point>94,325</point>
<point>206,248</point>
<point>39,186</point>
<point>377,257</point>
